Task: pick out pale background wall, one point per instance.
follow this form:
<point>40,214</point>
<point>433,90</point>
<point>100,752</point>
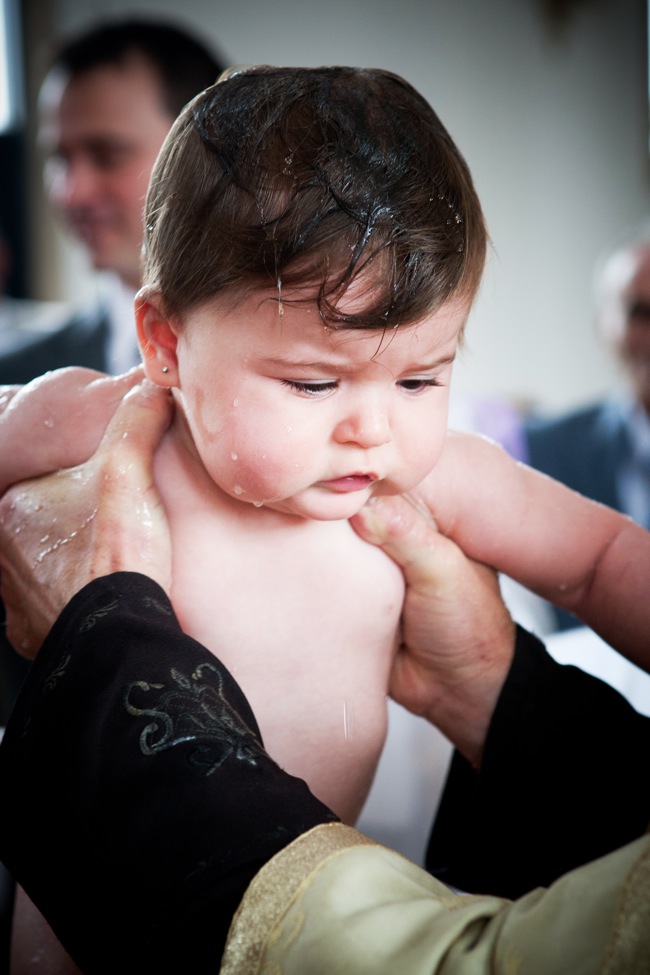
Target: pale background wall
<point>552,123</point>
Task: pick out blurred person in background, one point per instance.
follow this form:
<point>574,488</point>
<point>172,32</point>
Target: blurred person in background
<point>105,106</point>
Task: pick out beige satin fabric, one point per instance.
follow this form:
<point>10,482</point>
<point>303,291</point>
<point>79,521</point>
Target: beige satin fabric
<point>335,902</point>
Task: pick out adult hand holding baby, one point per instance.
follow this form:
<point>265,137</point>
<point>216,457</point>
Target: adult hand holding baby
<point>60,531</point>
<point>458,637</point>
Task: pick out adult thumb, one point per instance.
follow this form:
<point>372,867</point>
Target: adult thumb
<point>406,531</point>
<point>136,427</point>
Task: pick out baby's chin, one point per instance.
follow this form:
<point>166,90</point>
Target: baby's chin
<point>333,508</point>
<point>316,503</point>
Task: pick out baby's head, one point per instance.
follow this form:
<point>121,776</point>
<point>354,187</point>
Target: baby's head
<point>283,177</point>
<point>327,207</point>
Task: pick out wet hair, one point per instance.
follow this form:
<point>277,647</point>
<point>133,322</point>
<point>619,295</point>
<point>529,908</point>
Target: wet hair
<point>183,64</point>
<point>290,178</point>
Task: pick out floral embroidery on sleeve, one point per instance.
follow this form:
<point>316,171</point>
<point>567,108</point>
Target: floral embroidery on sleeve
<point>195,710</point>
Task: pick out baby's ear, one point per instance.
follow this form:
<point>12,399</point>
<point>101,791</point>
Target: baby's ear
<point>157,339</point>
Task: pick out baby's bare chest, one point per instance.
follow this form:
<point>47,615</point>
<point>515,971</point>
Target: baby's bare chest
<point>305,615</point>
<point>311,603</point>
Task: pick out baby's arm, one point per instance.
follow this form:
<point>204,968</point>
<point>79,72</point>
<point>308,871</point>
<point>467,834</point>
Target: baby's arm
<point>56,420</point>
<point>575,552</point>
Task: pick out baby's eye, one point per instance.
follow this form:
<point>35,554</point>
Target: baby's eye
<point>311,389</point>
<point>418,384</point>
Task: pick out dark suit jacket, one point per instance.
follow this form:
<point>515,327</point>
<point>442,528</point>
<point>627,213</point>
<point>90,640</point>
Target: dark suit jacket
<point>564,780</point>
<point>81,341</point>
<point>583,449</point>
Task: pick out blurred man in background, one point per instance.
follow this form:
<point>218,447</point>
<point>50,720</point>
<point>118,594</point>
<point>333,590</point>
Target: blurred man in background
<point>105,107</point>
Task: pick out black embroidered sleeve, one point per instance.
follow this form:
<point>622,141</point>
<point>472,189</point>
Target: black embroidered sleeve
<point>127,730</point>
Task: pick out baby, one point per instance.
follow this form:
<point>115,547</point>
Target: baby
<point>313,245</point>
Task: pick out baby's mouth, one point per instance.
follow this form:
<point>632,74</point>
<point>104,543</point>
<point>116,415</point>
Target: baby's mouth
<point>350,482</point>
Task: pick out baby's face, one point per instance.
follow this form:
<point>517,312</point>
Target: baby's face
<point>289,414</point>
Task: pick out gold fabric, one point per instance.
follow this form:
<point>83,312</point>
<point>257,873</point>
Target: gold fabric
<point>335,902</point>
<point>281,880</point>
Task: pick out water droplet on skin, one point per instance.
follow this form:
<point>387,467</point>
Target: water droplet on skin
<point>237,489</point>
<point>257,504</point>
<point>233,456</point>
<point>63,541</point>
<point>49,422</point>
<point>44,538</point>
<point>235,402</point>
<point>346,721</point>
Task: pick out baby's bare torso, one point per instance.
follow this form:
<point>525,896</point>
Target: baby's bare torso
<point>304,615</point>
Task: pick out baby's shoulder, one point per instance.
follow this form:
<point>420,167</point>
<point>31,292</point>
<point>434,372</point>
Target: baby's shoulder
<point>461,445</point>
<point>52,392</point>
<point>56,420</point>
<point>466,453</point>
<point>471,466</point>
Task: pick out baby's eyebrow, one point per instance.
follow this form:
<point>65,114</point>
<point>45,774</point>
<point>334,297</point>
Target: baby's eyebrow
<point>289,360</point>
<point>311,365</point>
<point>442,360</point>
<point>343,365</point>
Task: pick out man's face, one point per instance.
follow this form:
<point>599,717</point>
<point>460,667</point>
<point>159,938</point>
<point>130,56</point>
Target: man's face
<point>626,317</point>
<point>308,420</point>
<point>102,132</point>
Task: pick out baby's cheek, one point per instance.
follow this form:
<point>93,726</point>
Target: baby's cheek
<point>263,471</point>
<point>421,461</point>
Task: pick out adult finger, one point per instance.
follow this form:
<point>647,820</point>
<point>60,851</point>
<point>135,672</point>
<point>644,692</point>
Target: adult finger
<point>457,634</point>
<point>60,531</point>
